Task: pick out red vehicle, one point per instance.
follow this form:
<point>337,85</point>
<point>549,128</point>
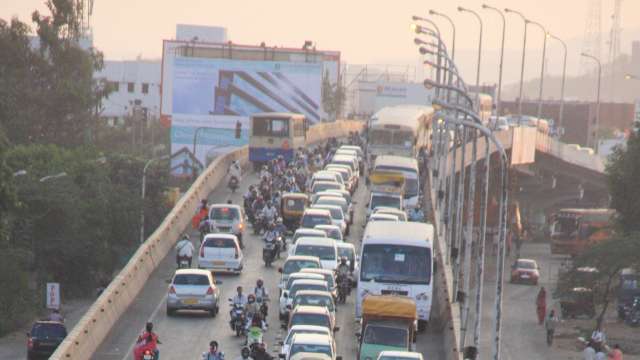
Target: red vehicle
<point>525,271</point>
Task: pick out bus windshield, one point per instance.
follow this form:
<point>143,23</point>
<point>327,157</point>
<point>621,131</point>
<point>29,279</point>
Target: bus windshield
<point>393,263</point>
<point>271,127</point>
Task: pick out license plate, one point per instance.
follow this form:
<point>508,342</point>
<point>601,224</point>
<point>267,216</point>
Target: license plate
<point>524,276</point>
<point>191,301</point>
<point>218,262</point>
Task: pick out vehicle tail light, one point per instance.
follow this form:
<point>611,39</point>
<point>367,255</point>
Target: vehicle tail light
<point>30,342</point>
<point>210,291</point>
<point>202,250</point>
<point>172,290</point>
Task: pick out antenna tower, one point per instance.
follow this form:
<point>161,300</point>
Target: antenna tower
<point>592,34</point>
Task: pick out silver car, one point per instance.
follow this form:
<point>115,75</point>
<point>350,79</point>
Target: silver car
<point>193,289</point>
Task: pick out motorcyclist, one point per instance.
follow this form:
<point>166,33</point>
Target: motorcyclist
<point>276,199</point>
<point>148,340</point>
<point>416,214</point>
<point>213,353</point>
<point>184,249</point>
<point>251,309</point>
<point>239,298</point>
<point>249,197</point>
<point>264,173</point>
<point>261,353</point>
<point>260,291</point>
<point>235,170</point>
<point>245,354</point>
<point>343,271</point>
<point>269,212</point>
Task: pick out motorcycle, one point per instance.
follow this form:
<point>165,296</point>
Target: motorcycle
<point>344,284</point>
<point>259,224</point>
<point>233,184</point>
<point>269,253</point>
<point>183,262</point>
<point>237,322</point>
<point>264,308</point>
<point>254,337</point>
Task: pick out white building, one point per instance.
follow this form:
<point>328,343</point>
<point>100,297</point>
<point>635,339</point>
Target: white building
<point>136,83</point>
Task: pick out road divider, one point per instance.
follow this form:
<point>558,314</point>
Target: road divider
<point>83,340</point>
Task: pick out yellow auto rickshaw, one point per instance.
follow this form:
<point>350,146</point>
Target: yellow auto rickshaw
<point>292,208</point>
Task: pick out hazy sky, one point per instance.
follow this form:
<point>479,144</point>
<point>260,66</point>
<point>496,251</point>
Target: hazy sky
<point>372,31</point>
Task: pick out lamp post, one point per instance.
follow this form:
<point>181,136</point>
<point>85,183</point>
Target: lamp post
<point>461,9</point>
<point>544,54</point>
<point>564,77</point>
<point>524,51</point>
<point>453,31</point>
<point>597,124</point>
<point>504,25</point>
<point>144,188</point>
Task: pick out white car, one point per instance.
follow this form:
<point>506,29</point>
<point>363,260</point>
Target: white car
<point>329,277</point>
<point>399,355</point>
<point>383,217</point>
<point>304,232</point>
<point>323,248</point>
<point>331,231</point>
<point>337,200</point>
<point>313,217</point>
<point>315,298</point>
<point>193,289</point>
<point>323,345</point>
<point>402,216</point>
<point>294,264</point>
<point>345,173</point>
<point>337,216</point>
<point>321,185</point>
<point>300,329</point>
<point>221,253</point>
<point>286,298</point>
<point>284,291</point>
<point>227,219</point>
<point>333,192</point>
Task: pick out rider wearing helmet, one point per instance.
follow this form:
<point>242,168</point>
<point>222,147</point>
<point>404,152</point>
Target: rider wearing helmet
<point>343,268</point>
<point>260,291</point>
<point>280,228</point>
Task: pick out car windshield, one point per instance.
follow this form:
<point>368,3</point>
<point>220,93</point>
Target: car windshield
<point>335,234</point>
<point>190,279</point>
<point>317,187</point>
<point>336,202</point>
<point>401,264</point>
<point>347,252</point>
<point>295,266</point>
<point>386,336</point>
<point>297,287</point>
<point>54,331</point>
<point>314,300</point>
<point>383,200</point>
<point>220,243</point>
<point>298,235</point>
<point>310,221</point>
<point>310,348</point>
<point>526,265</point>
<point>310,319</point>
<point>292,332</point>
<point>344,162</point>
<point>225,213</point>
<point>336,213</point>
<point>322,252</point>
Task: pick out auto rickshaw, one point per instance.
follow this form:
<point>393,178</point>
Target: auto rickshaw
<point>292,208</point>
<point>578,302</point>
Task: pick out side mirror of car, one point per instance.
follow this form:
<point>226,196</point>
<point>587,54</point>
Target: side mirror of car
<point>336,329</point>
<point>280,270</point>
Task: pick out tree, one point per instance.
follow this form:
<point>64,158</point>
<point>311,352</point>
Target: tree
<point>48,95</point>
<point>609,258</point>
<point>623,173</point>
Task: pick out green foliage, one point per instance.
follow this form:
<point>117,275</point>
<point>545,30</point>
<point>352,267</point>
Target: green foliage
<point>609,258</point>
<point>623,172</point>
<point>48,95</point>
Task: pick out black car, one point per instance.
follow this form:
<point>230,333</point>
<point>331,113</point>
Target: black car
<point>44,338</point>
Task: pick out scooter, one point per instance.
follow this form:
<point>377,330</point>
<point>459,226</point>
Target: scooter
<point>264,308</point>
<point>237,322</point>
<point>233,184</point>
<point>269,253</point>
<point>344,285</point>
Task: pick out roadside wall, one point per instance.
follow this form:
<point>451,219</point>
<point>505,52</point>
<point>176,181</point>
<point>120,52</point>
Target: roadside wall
<point>97,322</point>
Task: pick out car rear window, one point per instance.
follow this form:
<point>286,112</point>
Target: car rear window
<point>190,279</point>
<point>310,319</point>
<point>220,243</point>
<point>296,265</point>
<point>56,331</point>
<point>310,221</point>
<point>346,252</point>
<point>225,213</point>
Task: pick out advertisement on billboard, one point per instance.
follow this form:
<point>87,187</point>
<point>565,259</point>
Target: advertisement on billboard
<point>209,101</point>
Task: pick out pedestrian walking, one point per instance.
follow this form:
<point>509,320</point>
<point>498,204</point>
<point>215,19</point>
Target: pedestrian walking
<point>541,305</point>
<point>550,324</point>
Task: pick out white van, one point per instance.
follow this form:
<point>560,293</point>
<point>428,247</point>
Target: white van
<point>221,252</point>
<point>323,248</point>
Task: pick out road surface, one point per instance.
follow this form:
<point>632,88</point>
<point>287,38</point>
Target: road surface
<point>187,335</point>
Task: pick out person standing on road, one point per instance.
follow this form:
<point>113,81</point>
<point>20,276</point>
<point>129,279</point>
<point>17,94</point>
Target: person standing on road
<point>589,352</point>
<point>550,325</point>
<point>616,353</point>
<point>541,305</point>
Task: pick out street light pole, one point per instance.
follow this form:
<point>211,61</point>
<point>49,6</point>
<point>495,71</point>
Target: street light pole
<point>453,32</point>
<point>597,125</point>
<point>461,9</point>
<point>564,77</point>
<point>524,52</point>
<point>504,25</point>
<point>544,54</point>
<point>144,188</point>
